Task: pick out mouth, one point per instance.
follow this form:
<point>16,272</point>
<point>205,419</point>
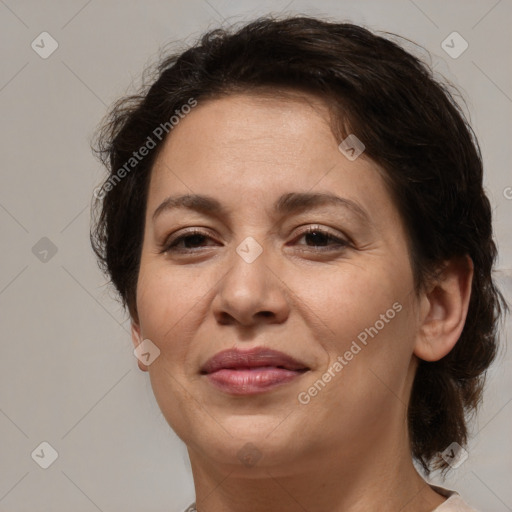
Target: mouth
<point>258,370</point>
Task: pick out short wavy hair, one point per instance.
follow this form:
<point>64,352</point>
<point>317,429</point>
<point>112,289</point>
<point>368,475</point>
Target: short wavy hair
<point>410,125</point>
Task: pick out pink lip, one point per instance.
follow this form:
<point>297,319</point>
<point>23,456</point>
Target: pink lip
<point>251,371</point>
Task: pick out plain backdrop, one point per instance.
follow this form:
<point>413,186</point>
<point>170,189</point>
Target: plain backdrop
<point>68,376</point>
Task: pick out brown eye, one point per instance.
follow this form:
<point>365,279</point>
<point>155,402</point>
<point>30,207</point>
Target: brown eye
<point>317,237</point>
<point>187,242</point>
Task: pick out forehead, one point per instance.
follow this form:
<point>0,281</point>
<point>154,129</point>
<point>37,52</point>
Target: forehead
<point>257,127</point>
<point>253,148</point>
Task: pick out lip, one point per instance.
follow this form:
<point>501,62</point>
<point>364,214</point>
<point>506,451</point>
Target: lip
<point>245,372</point>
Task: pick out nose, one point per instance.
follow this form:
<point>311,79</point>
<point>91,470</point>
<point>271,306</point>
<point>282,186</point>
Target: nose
<point>251,293</point>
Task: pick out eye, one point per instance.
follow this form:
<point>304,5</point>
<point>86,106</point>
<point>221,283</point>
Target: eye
<point>187,242</point>
<point>320,237</point>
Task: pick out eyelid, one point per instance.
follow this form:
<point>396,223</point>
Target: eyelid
<point>318,227</point>
<point>311,228</point>
<point>178,235</point>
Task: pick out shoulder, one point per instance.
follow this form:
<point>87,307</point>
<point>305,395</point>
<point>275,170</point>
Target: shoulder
<point>454,503</point>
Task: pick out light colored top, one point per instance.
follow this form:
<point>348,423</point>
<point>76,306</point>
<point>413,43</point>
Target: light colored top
<point>454,503</point>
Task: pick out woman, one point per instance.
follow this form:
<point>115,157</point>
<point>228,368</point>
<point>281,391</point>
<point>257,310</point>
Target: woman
<point>295,220</point>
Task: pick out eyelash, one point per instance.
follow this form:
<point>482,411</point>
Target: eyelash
<point>171,246</point>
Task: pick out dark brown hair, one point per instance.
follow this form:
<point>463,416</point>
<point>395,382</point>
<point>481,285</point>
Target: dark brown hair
<point>411,126</point>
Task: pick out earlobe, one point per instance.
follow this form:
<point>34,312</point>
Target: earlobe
<point>445,311</point>
<point>136,340</point>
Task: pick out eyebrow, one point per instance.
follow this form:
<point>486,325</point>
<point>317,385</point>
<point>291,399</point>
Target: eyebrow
<point>290,203</point>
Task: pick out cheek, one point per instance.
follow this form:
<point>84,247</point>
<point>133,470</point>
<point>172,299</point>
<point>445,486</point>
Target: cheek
<point>362,313</point>
<point>159,303</point>
<point>345,301</point>
<point>375,350</point>
<point>168,302</point>
<point>166,305</point>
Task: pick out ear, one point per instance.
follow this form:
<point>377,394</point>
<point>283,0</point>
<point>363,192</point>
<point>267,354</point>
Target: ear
<point>137,339</point>
<point>444,309</point>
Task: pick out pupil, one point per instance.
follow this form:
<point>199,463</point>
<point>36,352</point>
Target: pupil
<point>193,240</point>
<point>316,240</point>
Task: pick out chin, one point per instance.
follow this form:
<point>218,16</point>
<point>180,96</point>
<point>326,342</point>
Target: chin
<point>252,445</point>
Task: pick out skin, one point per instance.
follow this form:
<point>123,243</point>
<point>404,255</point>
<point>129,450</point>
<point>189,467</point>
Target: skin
<point>347,449</point>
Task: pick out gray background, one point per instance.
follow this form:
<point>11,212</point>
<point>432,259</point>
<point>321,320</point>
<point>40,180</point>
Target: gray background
<point>67,372</point>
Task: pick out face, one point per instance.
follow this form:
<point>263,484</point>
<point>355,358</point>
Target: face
<point>338,299</point>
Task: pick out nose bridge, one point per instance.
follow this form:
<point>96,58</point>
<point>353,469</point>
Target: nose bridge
<point>250,250</point>
<point>250,286</point>
<point>247,275</point>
